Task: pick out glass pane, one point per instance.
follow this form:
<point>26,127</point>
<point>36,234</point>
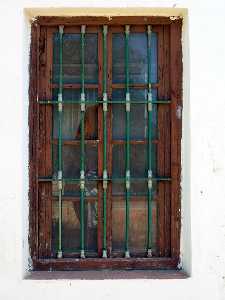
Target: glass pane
<point>71,127</point>
<point>118,161</point>
<point>138,224</point>
<point>71,226</point>
<point>71,161</point>
<point>139,161</point>
<point>118,169</point>
<point>71,116</point>
<point>91,58</point>
<point>72,58</point>
<point>139,169</point>
<point>140,188</point>
<point>138,64</point>
<point>154,57</point>
<point>118,58</point>
<point>118,121</point>
<point>138,115</point>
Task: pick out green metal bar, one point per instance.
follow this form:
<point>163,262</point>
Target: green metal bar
<point>83,27</point>
<point>149,106</point>
<point>105,175</point>
<point>66,102</point>
<point>105,31</point>
<point>82,147</point>
<point>60,186</point>
<point>108,101</point>
<point>141,102</point>
<point>47,179</point>
<point>127,217</point>
<point>127,33</point>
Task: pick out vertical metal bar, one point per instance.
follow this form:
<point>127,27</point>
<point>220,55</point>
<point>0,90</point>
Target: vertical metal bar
<point>149,240</point>
<point>105,176</point>
<point>82,150</point>
<point>109,134</point>
<point>127,221</point>
<point>59,254</point>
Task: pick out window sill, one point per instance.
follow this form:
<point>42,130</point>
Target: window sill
<point>106,274</point>
<point>77,264</point>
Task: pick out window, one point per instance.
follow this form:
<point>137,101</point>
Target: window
<point>105,133</point>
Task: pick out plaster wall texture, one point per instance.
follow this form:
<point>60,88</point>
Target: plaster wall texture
<point>203,153</point>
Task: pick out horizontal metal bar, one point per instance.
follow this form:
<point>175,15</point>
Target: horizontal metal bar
<point>75,85</point>
<point>141,102</point>
<point>135,85</point>
<point>69,102</point>
<point>75,142</point>
<point>101,102</point>
<point>141,179</point>
<point>48,179</point>
<point>69,142</point>
<point>93,199</point>
<point>93,86</point>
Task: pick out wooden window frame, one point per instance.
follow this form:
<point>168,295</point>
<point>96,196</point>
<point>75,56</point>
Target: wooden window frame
<point>37,119</point>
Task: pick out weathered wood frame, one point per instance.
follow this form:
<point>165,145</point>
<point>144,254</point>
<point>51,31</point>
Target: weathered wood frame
<point>170,76</point>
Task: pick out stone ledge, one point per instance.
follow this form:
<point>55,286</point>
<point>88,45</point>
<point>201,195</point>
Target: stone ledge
<point>106,274</point>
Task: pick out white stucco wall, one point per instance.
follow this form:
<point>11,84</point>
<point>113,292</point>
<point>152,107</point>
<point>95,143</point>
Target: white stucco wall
<point>203,154</point>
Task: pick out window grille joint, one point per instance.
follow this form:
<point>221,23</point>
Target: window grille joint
<point>83,28</point>
<point>105,98</point>
<point>128,179</point>
<point>105,179</point>
<point>82,254</point>
<point>150,101</point>
<point>82,180</point>
<point>149,29</point>
<point>149,252</point>
<point>127,102</point>
<point>104,253</point>
<point>127,254</point>
<point>61,29</point>
<point>127,29</point>
<point>105,29</point>
<point>82,99</point>
<point>149,179</point>
<point>59,254</point>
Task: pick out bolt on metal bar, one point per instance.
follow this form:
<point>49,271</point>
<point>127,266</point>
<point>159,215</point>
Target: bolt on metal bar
<point>60,111</point>
<point>127,216</point>
<point>149,107</point>
<point>105,176</point>
<point>82,147</point>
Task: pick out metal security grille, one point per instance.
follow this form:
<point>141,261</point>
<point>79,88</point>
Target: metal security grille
<point>107,140</point>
